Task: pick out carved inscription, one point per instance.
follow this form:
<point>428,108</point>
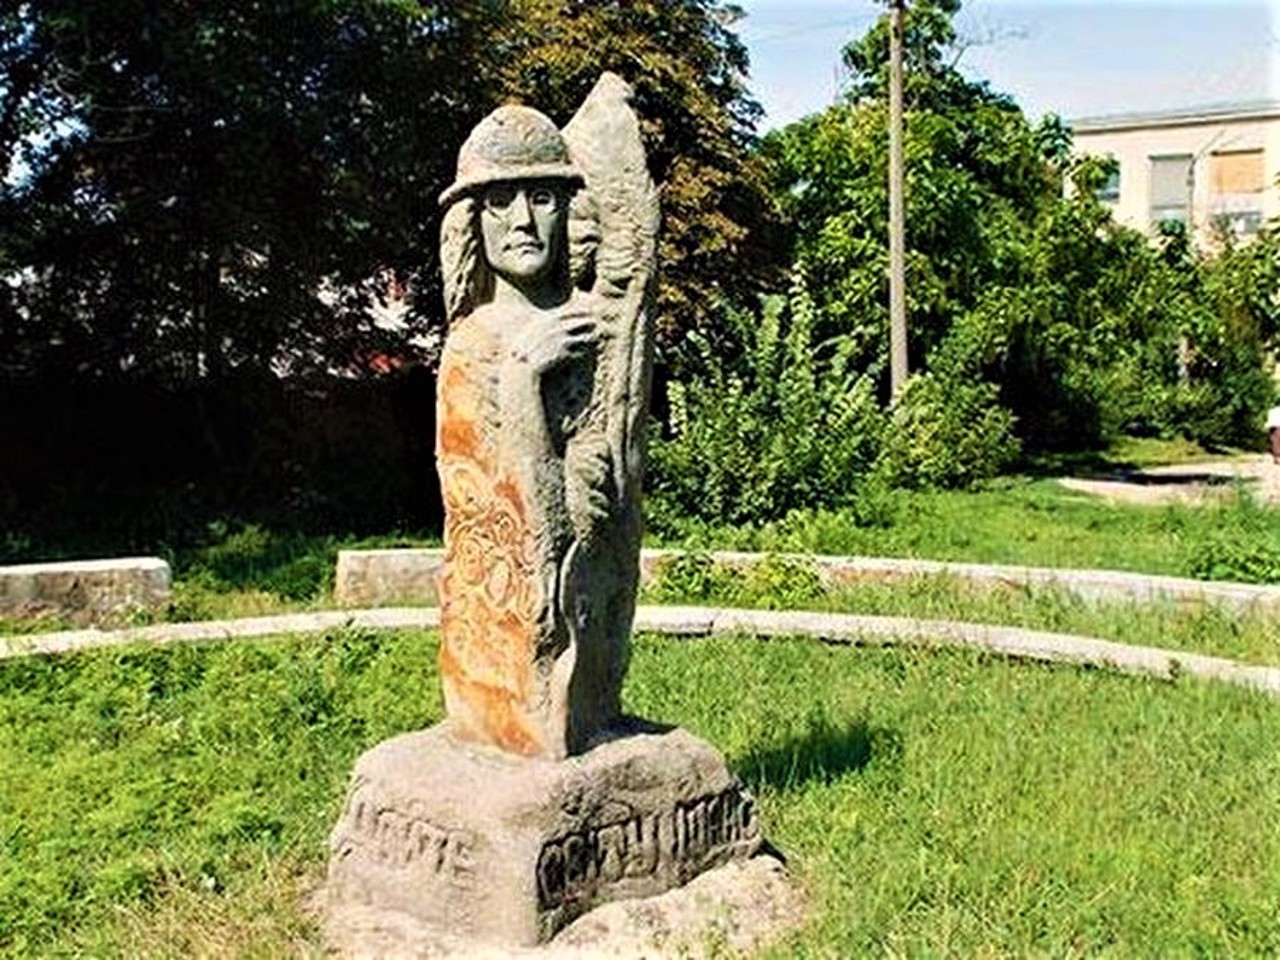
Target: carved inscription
<point>404,840</point>
<point>689,836</point>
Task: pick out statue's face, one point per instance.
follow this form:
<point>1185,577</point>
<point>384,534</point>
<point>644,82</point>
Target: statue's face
<point>522,225</point>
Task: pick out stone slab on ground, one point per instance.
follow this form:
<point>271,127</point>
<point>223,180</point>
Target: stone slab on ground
<point>389,577</point>
<point>69,641</point>
<point>85,588</point>
<point>1005,641</point>
<point>709,621</point>
<point>376,578</point>
<point>506,851</point>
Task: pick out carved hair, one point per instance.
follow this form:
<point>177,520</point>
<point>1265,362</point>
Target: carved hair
<point>583,237</point>
<point>467,281</point>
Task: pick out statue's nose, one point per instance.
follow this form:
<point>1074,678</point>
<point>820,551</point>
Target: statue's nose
<point>521,210</point>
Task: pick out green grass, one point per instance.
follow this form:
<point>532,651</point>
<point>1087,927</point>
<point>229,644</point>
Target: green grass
<point>189,788</point>
<point>175,802</point>
<point>251,571</point>
<point>1033,523</point>
<point>263,570</point>
<point>1126,453</point>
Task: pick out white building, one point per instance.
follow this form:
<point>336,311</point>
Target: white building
<point>1213,168</point>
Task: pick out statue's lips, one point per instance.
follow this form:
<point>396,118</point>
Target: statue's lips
<point>527,246</point>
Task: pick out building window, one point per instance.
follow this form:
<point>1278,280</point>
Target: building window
<point>1109,192</point>
<point>1170,188</point>
<point>1236,182</point>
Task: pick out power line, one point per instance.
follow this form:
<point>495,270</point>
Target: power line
<point>846,22</point>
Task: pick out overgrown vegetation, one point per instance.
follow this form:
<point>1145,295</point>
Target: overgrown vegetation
<point>175,802</point>
<point>194,208</point>
<point>1036,322</point>
<point>781,582</point>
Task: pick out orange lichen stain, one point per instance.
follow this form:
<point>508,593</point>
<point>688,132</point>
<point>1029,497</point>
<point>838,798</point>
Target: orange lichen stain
<point>457,433</point>
<point>507,490</point>
<point>488,714</point>
<point>489,604</point>
<point>491,592</point>
<point>458,437</point>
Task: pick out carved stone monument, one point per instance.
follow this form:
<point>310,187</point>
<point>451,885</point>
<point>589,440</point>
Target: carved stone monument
<point>537,800</point>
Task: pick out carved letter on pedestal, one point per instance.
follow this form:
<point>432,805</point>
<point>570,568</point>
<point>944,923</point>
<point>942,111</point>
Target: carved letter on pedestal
<point>703,832</point>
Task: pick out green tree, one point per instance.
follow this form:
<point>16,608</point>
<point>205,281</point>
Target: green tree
<point>977,172</point>
<point>210,188</point>
<point>199,189</point>
<point>1013,278</point>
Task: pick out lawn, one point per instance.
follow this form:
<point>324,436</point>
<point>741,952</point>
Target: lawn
<point>1032,522</point>
<point>252,571</point>
<point>787,583</point>
<point>175,802</point>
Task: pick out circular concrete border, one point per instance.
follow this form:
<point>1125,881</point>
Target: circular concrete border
<point>713,621</point>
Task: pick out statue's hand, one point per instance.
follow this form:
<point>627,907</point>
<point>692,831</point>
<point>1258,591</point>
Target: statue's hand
<point>553,339</point>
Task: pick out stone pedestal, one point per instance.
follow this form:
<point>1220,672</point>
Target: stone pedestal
<point>504,850</point>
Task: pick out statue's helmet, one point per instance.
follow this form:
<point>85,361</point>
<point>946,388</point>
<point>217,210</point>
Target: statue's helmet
<point>512,143</point>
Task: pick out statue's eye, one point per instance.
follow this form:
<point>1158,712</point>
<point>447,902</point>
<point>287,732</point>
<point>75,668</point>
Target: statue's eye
<point>499,197</point>
<point>543,198</point>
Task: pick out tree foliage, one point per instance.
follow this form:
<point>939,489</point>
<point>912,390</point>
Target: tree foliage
<point>210,188</point>
<point>1036,323</point>
<point>1016,274</point>
<point>197,189</point>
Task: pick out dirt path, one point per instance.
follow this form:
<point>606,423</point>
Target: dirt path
<point>1187,482</point>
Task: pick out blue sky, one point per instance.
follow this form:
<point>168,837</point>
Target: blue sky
<point>1071,57</point>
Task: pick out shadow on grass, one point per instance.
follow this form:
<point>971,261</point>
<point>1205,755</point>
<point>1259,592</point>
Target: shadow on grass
<point>822,754</point>
<point>1182,477</point>
<point>1094,464</point>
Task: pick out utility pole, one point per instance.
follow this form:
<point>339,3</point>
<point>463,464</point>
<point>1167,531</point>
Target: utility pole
<point>898,368</point>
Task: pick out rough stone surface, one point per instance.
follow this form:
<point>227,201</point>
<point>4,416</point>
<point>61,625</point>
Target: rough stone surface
<point>379,578</point>
<point>742,906</point>
<point>85,589</point>
<point>536,801</point>
<point>499,849</point>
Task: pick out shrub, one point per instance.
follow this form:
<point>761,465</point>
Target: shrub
<point>787,425</point>
<point>1239,544</point>
<point>772,581</point>
<point>947,433</point>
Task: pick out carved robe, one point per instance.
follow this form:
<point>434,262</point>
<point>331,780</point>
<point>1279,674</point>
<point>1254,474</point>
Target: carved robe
<point>532,578</point>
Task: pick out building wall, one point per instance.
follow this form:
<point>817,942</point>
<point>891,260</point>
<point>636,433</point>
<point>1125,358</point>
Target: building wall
<point>1134,141</point>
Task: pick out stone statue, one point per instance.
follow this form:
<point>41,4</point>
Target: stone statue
<point>535,802</point>
<point>547,248</point>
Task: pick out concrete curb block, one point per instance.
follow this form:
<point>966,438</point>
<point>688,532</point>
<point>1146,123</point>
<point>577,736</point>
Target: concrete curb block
<point>710,621</point>
<point>87,586</point>
<point>1005,641</point>
<point>65,641</point>
<point>386,577</point>
<point>1089,584</point>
